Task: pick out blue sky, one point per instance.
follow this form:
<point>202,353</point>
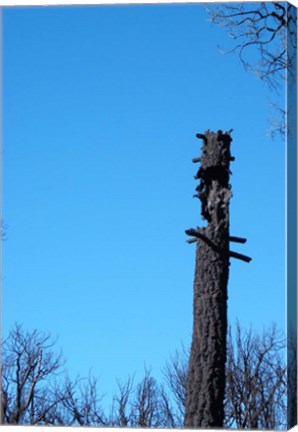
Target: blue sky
<point>100,110</point>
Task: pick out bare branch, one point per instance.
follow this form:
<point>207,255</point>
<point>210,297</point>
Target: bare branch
<point>269,29</point>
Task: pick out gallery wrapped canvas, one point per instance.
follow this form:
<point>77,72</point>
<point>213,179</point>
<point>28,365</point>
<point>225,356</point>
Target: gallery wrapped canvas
<point>149,215</point>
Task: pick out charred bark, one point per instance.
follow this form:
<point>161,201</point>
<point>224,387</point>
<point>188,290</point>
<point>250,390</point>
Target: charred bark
<point>206,379</point>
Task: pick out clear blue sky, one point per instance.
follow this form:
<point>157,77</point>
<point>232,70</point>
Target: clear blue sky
<point>101,106</point>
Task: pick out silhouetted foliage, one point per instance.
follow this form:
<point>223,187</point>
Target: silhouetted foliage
<point>256,380</point>
<point>292,377</point>
<point>176,372</point>
<point>36,389</point>
<point>270,28</point>
<point>29,393</point>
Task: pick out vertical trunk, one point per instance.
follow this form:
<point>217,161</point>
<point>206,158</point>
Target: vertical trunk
<point>206,380</point>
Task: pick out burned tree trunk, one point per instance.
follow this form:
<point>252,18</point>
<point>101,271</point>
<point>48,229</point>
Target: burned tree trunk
<point>206,380</point>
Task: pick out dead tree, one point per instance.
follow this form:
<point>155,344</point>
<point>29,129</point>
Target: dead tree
<point>204,406</point>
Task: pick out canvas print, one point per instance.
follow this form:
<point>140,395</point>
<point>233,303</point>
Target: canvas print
<point>149,215</point>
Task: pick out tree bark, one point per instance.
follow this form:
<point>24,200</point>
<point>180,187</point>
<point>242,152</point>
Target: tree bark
<point>206,379</point>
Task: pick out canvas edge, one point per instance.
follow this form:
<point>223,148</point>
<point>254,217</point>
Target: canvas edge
<point>291,229</point>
